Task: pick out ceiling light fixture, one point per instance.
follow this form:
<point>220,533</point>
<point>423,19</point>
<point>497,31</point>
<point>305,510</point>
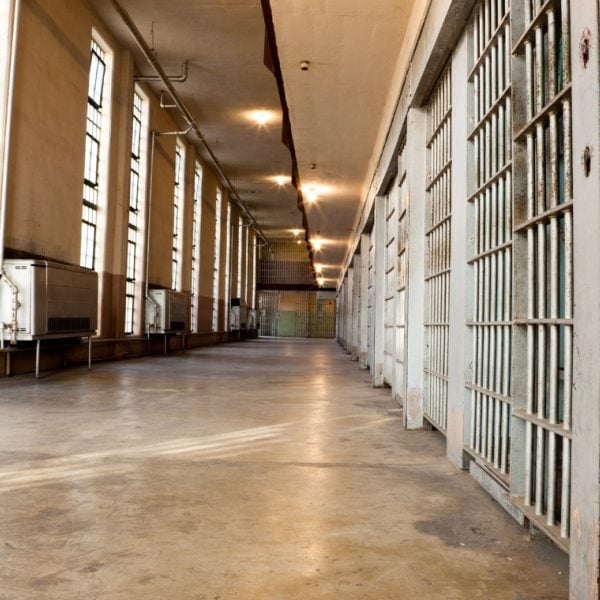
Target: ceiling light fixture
<point>261,117</point>
<point>296,232</point>
<point>321,281</point>
<point>316,244</point>
<point>304,65</point>
<point>281,180</point>
<point>312,194</point>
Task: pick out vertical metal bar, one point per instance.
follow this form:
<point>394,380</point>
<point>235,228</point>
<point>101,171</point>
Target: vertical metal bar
<point>552,54</point>
<point>566,105</point>
<point>550,494</point>
<point>539,69</point>
<point>539,470</point>
<point>530,86</point>
<point>37,359</point>
<point>568,343</point>
<point>89,352</point>
<point>566,41</point>
<point>565,509</point>
<point>504,449</point>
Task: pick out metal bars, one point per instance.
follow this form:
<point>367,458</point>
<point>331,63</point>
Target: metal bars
<point>490,411</point>
<point>401,277</point>
<point>437,273</point>
<point>390,270</point>
<point>371,303</point>
<point>548,232</point>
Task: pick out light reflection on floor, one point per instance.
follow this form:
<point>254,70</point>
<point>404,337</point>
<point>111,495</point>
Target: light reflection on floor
<point>79,466</point>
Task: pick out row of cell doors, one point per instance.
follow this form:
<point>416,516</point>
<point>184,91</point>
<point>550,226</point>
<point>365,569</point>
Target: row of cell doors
<point>525,237</point>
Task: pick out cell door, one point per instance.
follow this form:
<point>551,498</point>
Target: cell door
<point>437,280</point>
<point>545,229</point>
<point>391,275</point>
<point>491,321</point>
<point>371,304</point>
<point>401,278</point>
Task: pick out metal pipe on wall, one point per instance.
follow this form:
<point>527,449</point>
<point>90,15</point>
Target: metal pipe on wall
<point>9,103</point>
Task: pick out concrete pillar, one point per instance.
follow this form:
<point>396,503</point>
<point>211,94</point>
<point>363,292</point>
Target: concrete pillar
<point>363,337</point>
<point>349,308</point>
<point>585,501</point>
<point>461,299</point>
<point>379,299</point>
<point>356,306</point>
<point>417,178</point>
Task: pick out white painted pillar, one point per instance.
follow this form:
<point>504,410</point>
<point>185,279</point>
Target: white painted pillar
<point>462,247</point>
<point>417,177</point>
<point>379,328</point>
<point>349,304</point>
<point>363,341</point>
<point>356,306</point>
<point>585,499</point>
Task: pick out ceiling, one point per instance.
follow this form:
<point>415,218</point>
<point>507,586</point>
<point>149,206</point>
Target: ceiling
<point>335,107</point>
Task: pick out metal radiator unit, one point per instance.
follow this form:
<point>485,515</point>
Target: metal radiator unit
<point>47,300</point>
<point>167,311</point>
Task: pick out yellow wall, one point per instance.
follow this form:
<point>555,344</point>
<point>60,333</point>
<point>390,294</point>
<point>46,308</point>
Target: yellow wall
<point>47,161</point>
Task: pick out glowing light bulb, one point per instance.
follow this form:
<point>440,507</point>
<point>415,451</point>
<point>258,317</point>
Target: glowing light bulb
<point>281,180</point>
<point>311,195</point>
<point>261,117</point>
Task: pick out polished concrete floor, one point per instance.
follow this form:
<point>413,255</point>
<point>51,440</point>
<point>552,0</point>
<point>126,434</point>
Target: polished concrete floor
<point>266,469</point>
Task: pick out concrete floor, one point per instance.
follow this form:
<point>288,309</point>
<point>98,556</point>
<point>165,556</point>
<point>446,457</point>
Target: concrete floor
<point>259,470</point>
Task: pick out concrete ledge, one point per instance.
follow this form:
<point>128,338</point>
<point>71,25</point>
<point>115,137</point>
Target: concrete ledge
<point>496,491</point>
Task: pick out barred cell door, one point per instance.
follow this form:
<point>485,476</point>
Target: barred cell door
<point>371,303</point>
<point>545,226</point>
<point>401,280</point>
<point>437,279</point>
<point>391,275</point>
<point>491,324</point>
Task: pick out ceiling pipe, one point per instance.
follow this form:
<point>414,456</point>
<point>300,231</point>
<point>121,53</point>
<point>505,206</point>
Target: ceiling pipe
<point>178,78</point>
<point>185,112</point>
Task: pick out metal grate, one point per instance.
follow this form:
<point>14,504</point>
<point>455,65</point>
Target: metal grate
<point>401,278</point>
<point>371,303</point>
<point>548,230</point>
<point>491,403</point>
<point>438,252</point>
<point>390,258</point>
<point>286,262</point>
<point>67,324</point>
<point>296,314</point>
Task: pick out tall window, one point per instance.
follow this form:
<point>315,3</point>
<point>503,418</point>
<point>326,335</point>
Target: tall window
<point>253,293</point>
<point>217,265</point>
<point>196,223</point>
<point>136,194</point>
<point>238,293</point>
<point>97,93</point>
<point>227,266</point>
<point>178,216</point>
<point>247,250</point>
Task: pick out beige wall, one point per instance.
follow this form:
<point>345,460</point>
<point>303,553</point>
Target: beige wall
<point>44,203</point>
